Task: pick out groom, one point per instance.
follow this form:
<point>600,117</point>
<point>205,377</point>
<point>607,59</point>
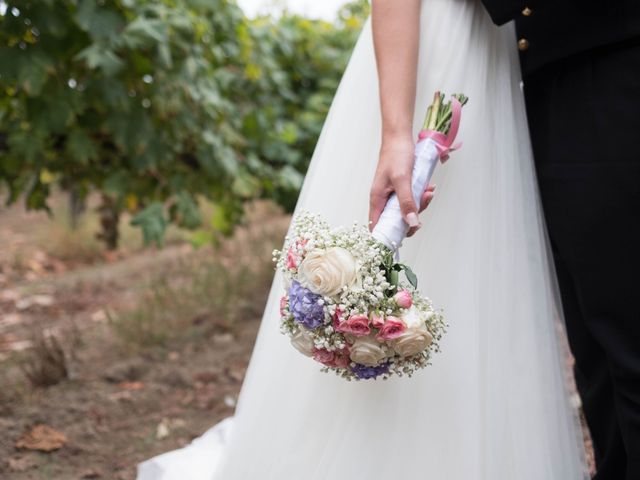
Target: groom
<point>581,71</point>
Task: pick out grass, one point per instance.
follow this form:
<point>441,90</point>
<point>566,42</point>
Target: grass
<point>205,291</point>
<point>45,363</point>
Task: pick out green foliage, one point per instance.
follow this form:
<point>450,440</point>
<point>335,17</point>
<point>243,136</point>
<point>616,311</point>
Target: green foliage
<point>157,103</point>
<point>293,67</point>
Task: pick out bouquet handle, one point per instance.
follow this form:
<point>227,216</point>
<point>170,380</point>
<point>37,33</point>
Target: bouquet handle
<point>432,145</point>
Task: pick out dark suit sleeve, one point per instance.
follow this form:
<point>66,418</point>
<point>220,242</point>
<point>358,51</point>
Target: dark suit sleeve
<point>502,11</point>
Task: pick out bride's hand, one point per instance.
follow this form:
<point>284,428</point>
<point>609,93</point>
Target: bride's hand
<point>393,174</point>
<point>396,34</point>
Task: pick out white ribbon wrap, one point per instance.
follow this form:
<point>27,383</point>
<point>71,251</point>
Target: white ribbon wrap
<point>391,228</point>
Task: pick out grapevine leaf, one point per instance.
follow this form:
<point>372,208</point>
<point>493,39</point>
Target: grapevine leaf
<point>80,146</point>
<point>101,57</point>
<point>185,212</point>
<point>153,223</point>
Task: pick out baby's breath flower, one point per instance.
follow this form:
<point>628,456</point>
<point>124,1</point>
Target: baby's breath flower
<point>370,292</point>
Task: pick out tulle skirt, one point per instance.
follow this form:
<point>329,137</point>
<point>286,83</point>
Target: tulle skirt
<point>494,405</point>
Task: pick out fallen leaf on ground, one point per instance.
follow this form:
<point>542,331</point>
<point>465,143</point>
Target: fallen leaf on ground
<point>43,438</point>
<point>9,295</point>
<point>162,430</point>
<point>206,377</point>
<point>10,319</point>
<point>236,371</point>
<point>21,464</point>
<point>99,316</point>
<point>38,300</point>
<point>223,338</point>
<point>131,385</point>
<point>122,396</point>
<point>91,474</point>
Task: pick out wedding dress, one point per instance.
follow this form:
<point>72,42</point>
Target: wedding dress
<point>494,405</point>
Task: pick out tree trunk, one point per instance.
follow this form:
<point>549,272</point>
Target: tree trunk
<point>109,211</point>
<point>77,206</point>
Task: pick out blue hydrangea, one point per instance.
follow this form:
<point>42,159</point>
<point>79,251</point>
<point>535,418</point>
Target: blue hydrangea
<point>304,306</point>
<point>364,372</point>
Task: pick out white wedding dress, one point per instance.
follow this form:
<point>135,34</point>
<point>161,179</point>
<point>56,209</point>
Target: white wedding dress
<point>494,405</point>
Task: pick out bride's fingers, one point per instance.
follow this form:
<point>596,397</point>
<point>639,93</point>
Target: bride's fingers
<point>425,200</point>
<point>377,200</point>
<point>427,196</point>
<point>402,187</point>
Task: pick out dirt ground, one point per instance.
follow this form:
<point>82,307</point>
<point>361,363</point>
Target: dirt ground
<point>127,394</point>
<point>119,404</point>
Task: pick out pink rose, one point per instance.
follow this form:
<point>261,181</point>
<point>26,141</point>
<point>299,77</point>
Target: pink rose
<point>392,329</point>
<point>338,358</point>
<point>377,320</point>
<point>403,299</point>
<point>342,359</point>
<point>338,318</point>
<point>292,257</point>
<point>323,356</point>
<point>357,325</point>
<point>283,305</point>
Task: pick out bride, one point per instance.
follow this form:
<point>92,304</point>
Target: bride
<point>494,405</point>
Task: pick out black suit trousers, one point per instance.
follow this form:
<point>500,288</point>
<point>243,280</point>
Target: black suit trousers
<point>584,119</point>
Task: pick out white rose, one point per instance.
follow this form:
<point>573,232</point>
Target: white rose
<point>303,342</point>
<point>367,351</point>
<point>325,272</point>
<point>415,338</point>
<point>412,317</point>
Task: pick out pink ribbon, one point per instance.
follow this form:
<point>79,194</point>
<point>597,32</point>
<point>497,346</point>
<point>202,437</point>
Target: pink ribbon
<point>444,143</point>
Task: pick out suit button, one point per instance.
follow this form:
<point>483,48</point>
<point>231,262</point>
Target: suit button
<point>523,44</point>
<point>527,11</point>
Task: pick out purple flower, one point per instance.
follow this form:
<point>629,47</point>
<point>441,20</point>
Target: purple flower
<point>304,306</point>
<point>364,372</point>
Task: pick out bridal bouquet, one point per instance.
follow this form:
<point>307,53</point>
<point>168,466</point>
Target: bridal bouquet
<point>345,303</point>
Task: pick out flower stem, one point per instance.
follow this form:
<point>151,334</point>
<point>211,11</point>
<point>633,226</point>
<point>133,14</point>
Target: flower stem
<point>437,103</point>
<point>427,117</point>
<point>438,117</point>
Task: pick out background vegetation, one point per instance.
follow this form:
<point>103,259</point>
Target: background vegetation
<point>170,122</point>
<point>159,104</point>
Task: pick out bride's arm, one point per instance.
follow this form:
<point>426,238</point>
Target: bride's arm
<point>396,31</point>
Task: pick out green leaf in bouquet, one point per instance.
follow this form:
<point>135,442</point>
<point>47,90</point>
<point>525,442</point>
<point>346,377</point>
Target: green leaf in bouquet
<point>393,278</point>
<point>387,262</point>
<point>411,277</point>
